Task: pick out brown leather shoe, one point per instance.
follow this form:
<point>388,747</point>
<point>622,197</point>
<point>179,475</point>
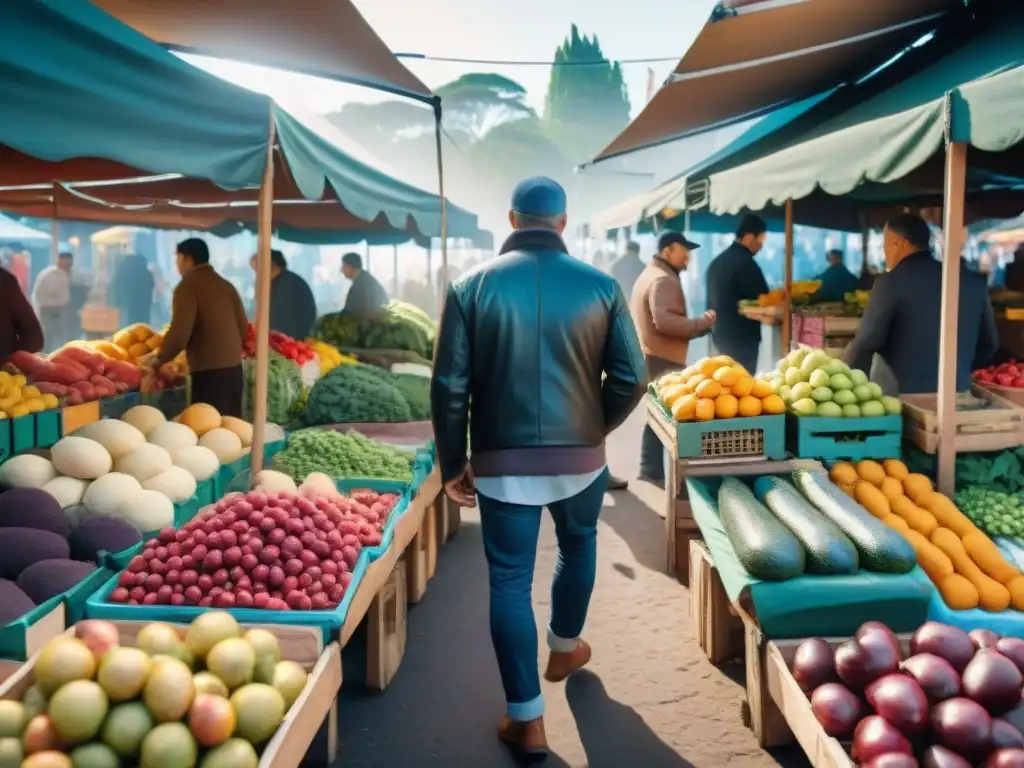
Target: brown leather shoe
<point>561,665</point>
<point>527,741</point>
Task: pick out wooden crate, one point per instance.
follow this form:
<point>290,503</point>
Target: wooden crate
<point>717,626</point>
<point>317,702</point>
<point>686,531</point>
<point>454,514</point>
<point>421,554</point>
<point>762,714</point>
<point>995,428</point>
<point>386,633</point>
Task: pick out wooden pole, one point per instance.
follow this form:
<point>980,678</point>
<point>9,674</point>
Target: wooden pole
<point>787,297</point>
<point>394,271</point>
<point>865,239</point>
<point>953,229</point>
<point>54,234</point>
<point>443,283</point>
<point>265,218</point>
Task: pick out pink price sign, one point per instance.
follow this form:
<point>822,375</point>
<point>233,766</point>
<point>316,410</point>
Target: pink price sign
<point>809,331</point>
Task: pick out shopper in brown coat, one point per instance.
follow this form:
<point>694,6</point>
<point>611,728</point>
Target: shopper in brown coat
<point>658,306</point>
<point>208,322</point>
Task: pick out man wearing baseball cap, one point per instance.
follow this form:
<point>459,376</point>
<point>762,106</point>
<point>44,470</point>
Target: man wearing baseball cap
<point>659,311</point>
<point>537,358</point>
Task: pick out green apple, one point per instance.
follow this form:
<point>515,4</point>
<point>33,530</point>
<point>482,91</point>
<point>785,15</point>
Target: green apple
<point>845,397</point>
<point>785,392</point>
<point>876,391</point>
<point>819,379</point>
<point>840,381</point>
<point>858,377</point>
<point>821,395</point>
<point>830,410</point>
<point>795,376</point>
<point>805,407</point>
<point>872,408</point>
<point>863,393</point>
<point>851,411</point>
<point>892,405</point>
<point>801,391</point>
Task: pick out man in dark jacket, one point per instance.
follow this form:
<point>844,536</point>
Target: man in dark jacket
<point>836,280</point>
<point>133,289</point>
<point>902,318</point>
<point>292,306</point>
<point>19,326</point>
<point>366,296</point>
<point>523,343</point>
<point>733,277</point>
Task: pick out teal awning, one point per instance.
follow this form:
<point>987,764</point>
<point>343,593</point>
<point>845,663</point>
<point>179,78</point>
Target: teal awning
<point>86,97</point>
<point>887,148</point>
<point>11,231</point>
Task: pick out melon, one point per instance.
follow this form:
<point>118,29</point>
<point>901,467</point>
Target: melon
<point>13,602</point>
<point>144,462</point>
<point>80,457</point>
<point>148,511</point>
<point>200,418</point>
<point>107,495</point>
<point>101,534</point>
<point>22,547</point>
<point>67,491</point>
<point>32,508</point>
<point>144,418</point>
<point>26,471</point>
<point>76,513</point>
<point>317,484</point>
<point>241,428</point>
<point>176,483</point>
<point>48,578</point>
<point>223,442</point>
<point>173,437</point>
<point>118,437</point>
<point>270,481</point>
<point>201,463</point>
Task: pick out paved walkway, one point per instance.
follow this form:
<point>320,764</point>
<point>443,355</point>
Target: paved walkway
<point>649,700</point>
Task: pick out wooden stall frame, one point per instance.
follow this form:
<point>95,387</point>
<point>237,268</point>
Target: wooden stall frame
<point>386,638</point>
<point>317,702</point>
<point>678,516</point>
<point>717,625</point>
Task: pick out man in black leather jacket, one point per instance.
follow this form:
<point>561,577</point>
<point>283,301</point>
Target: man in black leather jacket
<point>523,344</point>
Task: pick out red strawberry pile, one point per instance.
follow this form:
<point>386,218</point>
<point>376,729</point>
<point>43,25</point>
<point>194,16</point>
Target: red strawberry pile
<point>278,551</point>
<point>295,350</point>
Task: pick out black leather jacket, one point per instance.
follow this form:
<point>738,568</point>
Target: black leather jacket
<point>523,343</point>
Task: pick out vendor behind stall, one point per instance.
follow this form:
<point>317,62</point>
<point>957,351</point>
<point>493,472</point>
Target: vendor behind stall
<point>208,322</point>
<point>19,326</point>
<point>292,306</point>
<point>366,296</point>
<point>901,321</point>
<point>836,280</point>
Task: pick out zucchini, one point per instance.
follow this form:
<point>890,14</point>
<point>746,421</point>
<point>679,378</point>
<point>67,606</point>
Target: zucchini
<point>881,548</point>
<point>766,548</point>
<point>828,549</point>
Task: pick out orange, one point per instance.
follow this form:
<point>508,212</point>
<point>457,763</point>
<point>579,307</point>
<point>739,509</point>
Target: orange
<point>726,376</point>
<point>670,394</point>
<point>686,373</point>
<point>709,388</point>
<point>723,360</point>
<point>744,386</point>
<point>773,405</point>
<point>750,406</point>
<point>761,389</point>
<point>684,408</point>
<point>694,381</point>
<point>726,406</point>
<point>705,409</point>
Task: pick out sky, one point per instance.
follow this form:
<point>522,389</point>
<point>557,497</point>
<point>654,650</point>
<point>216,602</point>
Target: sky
<point>526,30</point>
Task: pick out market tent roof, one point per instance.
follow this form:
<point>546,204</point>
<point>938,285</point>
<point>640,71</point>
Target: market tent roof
<point>327,38</point>
<point>897,152</point>
<point>12,231</point>
<point>147,112</point>
<point>751,64</point>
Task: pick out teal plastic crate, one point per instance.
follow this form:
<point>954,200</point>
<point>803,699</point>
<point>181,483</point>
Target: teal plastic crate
<point>831,439</point>
<point>405,493</point>
<point>13,636</point>
<point>6,446</point>
<point>182,514</point>
<point>23,433</point>
<point>114,407</point>
<point>228,472</point>
<point>328,622</point>
<point>206,492</point>
<point>49,428</point>
<point>751,436</point>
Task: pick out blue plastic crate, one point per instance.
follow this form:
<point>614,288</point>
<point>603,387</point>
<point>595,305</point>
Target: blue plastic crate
<point>329,622</point>
<point>49,428</point>
<point>405,491</point>
<point>832,439</point>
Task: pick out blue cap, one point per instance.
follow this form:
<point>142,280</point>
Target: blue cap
<point>538,196</point>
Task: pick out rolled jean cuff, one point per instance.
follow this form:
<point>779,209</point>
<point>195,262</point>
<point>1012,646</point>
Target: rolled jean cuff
<point>526,711</point>
<point>561,644</point>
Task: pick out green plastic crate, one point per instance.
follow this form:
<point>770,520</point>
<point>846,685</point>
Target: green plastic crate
<point>741,437</point>
<point>6,449</point>
<point>835,439</point>
<point>205,492</point>
<point>115,407</point>
<point>49,428</point>
<point>23,433</point>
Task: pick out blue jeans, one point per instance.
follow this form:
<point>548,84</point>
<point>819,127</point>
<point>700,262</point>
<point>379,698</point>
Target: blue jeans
<point>510,533</point>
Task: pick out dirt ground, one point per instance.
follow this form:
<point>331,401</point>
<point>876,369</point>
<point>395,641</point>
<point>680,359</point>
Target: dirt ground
<point>649,700</point>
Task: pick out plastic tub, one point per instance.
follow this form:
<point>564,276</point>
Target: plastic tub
<point>405,493</point>
<point>328,622</point>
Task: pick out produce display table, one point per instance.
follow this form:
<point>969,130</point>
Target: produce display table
<point>808,605</point>
<point>984,422</point>
<point>680,527</point>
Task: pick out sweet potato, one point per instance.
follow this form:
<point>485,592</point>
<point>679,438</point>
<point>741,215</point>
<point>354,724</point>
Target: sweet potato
<point>992,596</point>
